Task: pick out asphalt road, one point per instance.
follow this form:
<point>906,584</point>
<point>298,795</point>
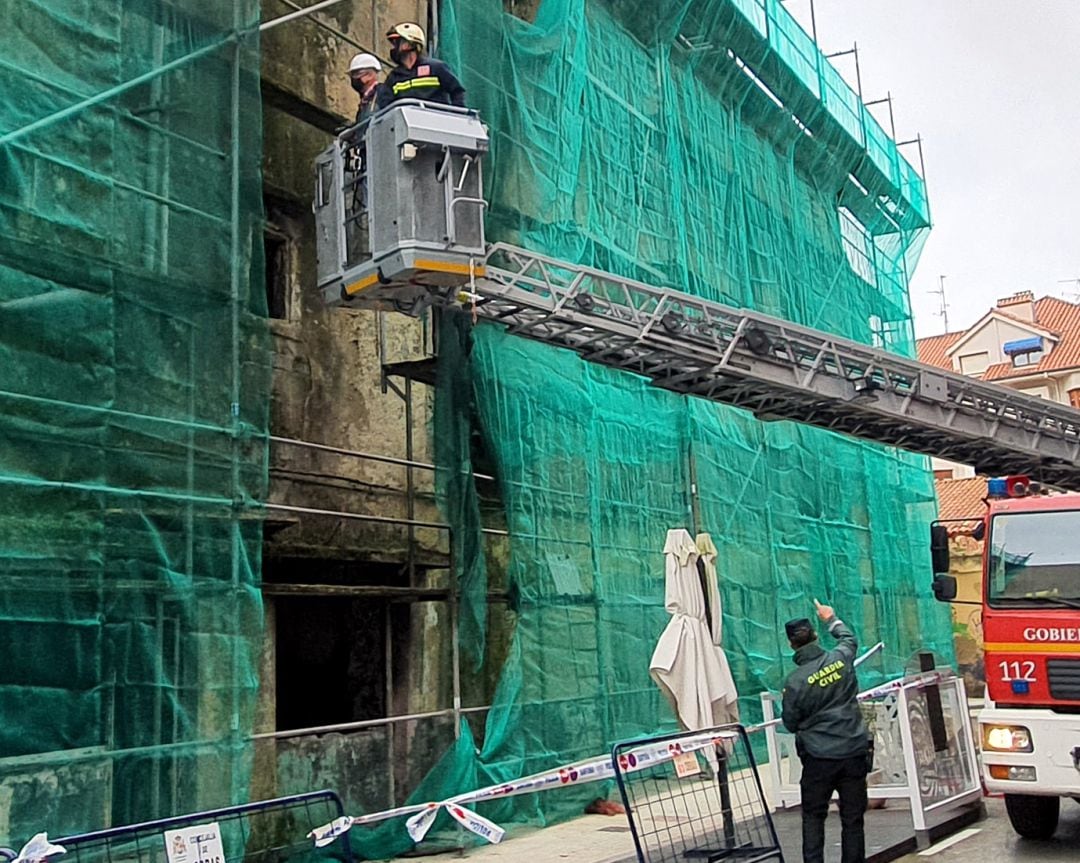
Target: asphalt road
<point>993,841</point>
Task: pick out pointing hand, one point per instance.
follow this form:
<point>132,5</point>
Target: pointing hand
<point>824,612</point>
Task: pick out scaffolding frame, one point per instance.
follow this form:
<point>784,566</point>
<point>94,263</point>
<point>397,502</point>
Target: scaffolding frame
<point>410,594</point>
<point>190,505</point>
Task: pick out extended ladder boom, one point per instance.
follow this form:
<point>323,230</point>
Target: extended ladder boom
<point>776,369</point>
<point>399,225</point>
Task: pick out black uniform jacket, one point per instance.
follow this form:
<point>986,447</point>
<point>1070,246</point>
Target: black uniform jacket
<point>819,704</point>
<point>430,80</point>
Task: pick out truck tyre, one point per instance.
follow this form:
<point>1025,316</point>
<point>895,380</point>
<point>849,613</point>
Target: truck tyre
<point>1033,817</point>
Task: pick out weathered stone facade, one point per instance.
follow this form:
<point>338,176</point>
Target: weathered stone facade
<point>391,653</point>
<point>327,371</point>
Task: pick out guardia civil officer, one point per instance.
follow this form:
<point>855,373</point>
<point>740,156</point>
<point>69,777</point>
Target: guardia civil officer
<point>820,708</point>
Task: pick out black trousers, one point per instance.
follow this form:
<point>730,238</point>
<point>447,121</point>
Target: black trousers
<point>820,778</point>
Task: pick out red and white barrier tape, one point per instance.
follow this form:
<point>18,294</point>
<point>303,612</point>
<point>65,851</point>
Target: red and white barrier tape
<point>422,816</point>
<point>594,770</point>
<point>925,679</point>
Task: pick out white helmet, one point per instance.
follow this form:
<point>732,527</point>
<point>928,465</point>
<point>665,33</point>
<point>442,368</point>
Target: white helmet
<point>365,61</point>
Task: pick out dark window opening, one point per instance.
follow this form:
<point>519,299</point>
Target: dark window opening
<point>276,251</point>
<point>331,650</point>
<point>303,570</point>
<point>330,660</point>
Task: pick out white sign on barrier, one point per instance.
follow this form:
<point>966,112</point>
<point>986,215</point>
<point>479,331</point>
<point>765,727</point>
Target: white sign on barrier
<point>198,844</point>
<point>687,765</point>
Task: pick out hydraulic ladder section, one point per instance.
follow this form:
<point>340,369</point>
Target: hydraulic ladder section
<point>776,369</point>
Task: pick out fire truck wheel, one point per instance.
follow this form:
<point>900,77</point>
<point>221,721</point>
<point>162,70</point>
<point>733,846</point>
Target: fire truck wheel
<point>1033,817</point>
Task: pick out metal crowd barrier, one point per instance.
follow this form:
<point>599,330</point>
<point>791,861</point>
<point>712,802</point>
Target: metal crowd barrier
<point>266,831</point>
<point>705,803</point>
<point>936,773</point>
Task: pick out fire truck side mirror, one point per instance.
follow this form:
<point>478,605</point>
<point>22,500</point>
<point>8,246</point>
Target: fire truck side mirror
<point>939,548</point>
<point>944,587</point>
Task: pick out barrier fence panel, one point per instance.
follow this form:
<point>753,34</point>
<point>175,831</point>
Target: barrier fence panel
<point>706,804</point>
<point>943,774</point>
<point>266,831</point>
<point>934,776</point>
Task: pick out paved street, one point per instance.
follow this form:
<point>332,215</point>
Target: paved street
<point>993,841</point>
<point>595,839</point>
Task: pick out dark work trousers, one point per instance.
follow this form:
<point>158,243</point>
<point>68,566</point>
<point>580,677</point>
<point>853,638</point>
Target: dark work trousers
<point>820,778</point>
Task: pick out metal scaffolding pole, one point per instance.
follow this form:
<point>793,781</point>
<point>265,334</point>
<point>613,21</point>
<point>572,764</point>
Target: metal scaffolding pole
<point>106,95</point>
<point>380,519</point>
<point>385,459</point>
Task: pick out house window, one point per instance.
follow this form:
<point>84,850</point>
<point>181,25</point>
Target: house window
<point>332,650</point>
<point>282,231</point>
<point>1024,352</point>
<point>1028,358</point>
<point>1074,398</point>
<point>974,364</point>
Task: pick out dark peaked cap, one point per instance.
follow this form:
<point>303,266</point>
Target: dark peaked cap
<point>800,624</point>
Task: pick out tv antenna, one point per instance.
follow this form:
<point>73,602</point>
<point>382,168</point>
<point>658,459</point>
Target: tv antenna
<point>943,308</point>
<point>1075,294</point>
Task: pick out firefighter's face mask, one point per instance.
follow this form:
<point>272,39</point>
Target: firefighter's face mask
<point>399,48</point>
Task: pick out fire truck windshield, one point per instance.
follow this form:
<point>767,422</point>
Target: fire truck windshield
<point>1035,559</point>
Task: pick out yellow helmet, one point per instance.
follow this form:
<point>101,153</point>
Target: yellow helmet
<point>410,32</point>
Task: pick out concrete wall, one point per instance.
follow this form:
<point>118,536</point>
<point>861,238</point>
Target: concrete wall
<point>328,390</point>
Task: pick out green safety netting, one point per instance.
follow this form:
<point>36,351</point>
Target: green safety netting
<point>648,139</point>
<point>133,409</point>
<point>641,138</point>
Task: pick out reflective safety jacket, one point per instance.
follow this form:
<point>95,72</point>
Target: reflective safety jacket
<point>820,706</point>
<point>430,80</point>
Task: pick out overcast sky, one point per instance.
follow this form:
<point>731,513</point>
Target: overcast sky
<point>993,86</point>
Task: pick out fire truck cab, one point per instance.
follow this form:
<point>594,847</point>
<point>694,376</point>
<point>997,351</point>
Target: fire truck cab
<point>1030,597</point>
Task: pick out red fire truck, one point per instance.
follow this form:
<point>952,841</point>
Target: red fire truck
<point>1030,725</point>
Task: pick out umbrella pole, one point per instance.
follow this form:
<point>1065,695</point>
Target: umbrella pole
<point>695,502</point>
<point>725,796</point>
